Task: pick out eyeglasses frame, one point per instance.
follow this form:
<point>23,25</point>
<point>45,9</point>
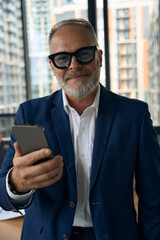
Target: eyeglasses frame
<point>71,54</point>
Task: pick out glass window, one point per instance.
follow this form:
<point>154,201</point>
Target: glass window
<point>65,15</point>
<point>41,15</point>
<point>134,33</point>
<point>67,1</point>
<point>5,125</point>
<point>12,66</point>
<point>126,23</point>
<point>126,34</point>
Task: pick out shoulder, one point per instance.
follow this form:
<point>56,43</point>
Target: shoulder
<point>126,101</point>
<point>122,102</point>
<point>126,109</point>
<point>46,101</point>
<point>35,109</point>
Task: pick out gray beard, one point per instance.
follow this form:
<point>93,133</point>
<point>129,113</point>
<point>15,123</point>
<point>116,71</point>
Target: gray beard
<point>81,90</point>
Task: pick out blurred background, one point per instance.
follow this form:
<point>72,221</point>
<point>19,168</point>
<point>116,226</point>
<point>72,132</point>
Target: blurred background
<point>129,35</point>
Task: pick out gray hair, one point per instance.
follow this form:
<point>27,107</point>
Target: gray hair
<point>74,21</point>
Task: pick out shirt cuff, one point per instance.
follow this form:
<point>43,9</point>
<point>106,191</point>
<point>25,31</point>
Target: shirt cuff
<point>23,199</point>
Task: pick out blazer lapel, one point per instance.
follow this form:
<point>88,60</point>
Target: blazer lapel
<point>60,119</point>
<point>62,127</point>
<point>107,109</point>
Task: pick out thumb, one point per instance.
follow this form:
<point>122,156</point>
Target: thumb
<point>17,150</point>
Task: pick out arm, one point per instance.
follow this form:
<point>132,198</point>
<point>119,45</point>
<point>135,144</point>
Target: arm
<point>26,176</point>
<point>148,181</point>
<point>22,200</point>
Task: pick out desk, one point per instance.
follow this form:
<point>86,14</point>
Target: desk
<point>11,229</point>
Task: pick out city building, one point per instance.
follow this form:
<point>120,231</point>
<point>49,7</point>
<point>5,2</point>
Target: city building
<point>134,51</point>
<point>12,68</point>
<point>134,38</point>
<point>41,15</point>
<point>153,92</point>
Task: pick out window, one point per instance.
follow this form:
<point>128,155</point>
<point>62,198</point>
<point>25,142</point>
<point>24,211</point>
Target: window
<point>12,67</point>
<point>134,47</point>
<point>67,1</point>
<point>40,18</point>
<point>134,33</point>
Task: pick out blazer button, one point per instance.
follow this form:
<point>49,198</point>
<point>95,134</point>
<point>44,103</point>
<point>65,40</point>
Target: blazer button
<point>72,204</point>
<point>65,237</point>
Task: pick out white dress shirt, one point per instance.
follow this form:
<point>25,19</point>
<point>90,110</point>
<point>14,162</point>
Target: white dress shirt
<point>83,132</point>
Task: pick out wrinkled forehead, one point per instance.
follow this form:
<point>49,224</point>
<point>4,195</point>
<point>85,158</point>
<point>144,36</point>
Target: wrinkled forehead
<point>70,38</point>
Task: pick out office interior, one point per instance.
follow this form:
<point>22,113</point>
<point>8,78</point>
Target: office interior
<point>128,32</point>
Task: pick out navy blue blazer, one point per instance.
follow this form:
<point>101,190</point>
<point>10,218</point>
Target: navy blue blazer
<point>125,144</point>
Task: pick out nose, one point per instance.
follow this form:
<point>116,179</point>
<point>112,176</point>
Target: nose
<point>74,63</point>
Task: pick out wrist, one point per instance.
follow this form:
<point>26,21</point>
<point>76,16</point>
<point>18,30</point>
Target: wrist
<point>12,186</point>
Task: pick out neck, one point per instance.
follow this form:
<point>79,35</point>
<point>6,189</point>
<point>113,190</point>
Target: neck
<point>80,104</point>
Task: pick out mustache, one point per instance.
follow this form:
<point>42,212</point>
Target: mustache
<point>77,73</point>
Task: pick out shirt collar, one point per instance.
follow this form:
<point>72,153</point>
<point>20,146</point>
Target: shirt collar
<point>95,104</point>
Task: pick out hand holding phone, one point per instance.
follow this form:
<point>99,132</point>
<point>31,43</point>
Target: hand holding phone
<point>31,148</point>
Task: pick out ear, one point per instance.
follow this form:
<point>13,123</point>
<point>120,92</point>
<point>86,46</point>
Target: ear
<point>99,58</point>
<point>52,66</point>
<point>100,54</point>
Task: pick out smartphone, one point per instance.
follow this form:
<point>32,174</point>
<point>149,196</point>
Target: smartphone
<point>30,137</point>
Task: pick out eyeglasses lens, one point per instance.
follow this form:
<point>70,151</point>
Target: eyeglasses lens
<point>62,59</point>
<point>84,56</point>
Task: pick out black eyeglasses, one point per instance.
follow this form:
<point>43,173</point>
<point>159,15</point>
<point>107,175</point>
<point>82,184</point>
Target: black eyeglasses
<point>83,55</point>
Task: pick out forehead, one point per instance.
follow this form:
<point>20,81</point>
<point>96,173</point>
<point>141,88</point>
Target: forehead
<point>70,38</point>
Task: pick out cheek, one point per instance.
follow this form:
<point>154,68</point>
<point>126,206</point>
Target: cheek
<point>59,74</point>
<point>99,63</point>
<point>55,72</point>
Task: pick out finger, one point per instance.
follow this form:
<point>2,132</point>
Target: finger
<point>50,181</point>
<point>33,157</point>
<point>54,164</point>
<point>29,159</point>
<point>17,150</point>
<point>37,176</point>
<point>46,179</point>
<point>33,181</point>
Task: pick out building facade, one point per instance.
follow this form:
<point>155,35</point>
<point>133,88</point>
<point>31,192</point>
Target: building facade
<point>153,92</point>
<point>12,68</point>
<point>134,38</point>
<point>133,31</point>
<point>41,15</point>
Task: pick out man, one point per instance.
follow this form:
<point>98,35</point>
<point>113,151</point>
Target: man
<point>98,141</point>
